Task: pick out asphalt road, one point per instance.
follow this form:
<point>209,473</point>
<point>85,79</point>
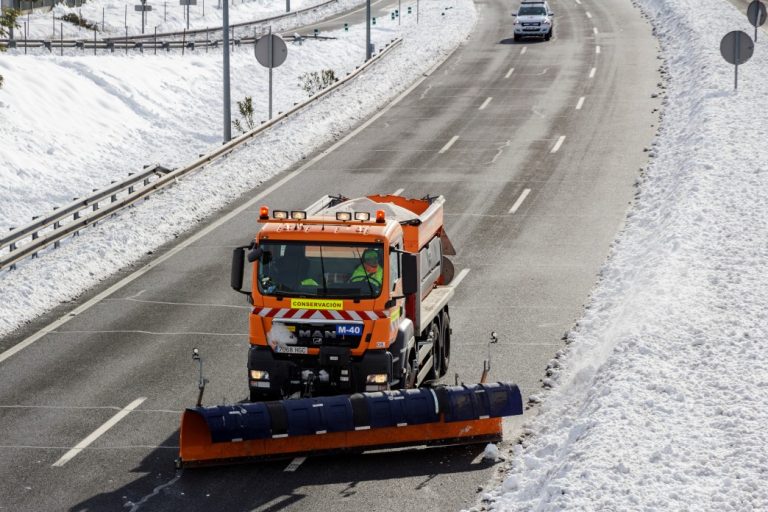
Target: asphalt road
<point>538,179</point>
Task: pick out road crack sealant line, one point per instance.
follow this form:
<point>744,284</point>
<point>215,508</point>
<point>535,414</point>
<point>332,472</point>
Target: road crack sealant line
<point>172,176</point>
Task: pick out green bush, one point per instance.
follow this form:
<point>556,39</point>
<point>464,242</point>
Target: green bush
<point>80,22</point>
<point>8,21</point>
<point>314,82</point>
<point>246,112</point>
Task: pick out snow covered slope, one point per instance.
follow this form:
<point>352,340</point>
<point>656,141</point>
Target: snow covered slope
<point>660,401</point>
<point>139,109</point>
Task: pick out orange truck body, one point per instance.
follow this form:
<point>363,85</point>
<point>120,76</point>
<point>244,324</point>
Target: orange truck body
<point>339,337</point>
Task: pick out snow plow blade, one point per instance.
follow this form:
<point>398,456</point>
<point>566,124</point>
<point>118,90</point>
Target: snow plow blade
<point>367,421</point>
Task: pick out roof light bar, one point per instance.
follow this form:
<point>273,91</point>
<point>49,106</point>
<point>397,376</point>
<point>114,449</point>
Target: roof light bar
<point>343,216</point>
<point>298,215</point>
<point>280,214</point>
<point>362,216</point>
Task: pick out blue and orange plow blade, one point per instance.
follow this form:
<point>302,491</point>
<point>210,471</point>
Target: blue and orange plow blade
<point>366,421</point>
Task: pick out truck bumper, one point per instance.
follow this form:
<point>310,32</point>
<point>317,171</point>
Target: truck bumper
<point>334,372</point>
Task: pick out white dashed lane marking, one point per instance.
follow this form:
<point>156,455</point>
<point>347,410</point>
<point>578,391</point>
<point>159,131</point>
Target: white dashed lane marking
<point>520,200</point>
<point>448,144</point>
<point>558,144</point>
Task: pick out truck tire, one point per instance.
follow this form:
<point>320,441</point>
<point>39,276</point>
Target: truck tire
<point>437,360</point>
<point>445,345</point>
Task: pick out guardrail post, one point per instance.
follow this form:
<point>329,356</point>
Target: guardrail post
<point>75,217</point>
<point>95,207</point>
<point>12,248</point>
<point>34,236</point>
<point>56,225</point>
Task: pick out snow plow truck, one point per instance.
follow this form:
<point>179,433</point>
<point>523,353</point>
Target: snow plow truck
<point>349,332</point>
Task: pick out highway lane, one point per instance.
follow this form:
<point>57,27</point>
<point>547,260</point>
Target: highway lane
<point>530,271</point>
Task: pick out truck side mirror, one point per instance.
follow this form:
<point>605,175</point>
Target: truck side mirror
<point>238,261</point>
<point>238,267</point>
<point>410,274</point>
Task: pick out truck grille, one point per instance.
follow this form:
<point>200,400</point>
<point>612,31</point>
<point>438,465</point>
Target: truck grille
<point>322,335</point>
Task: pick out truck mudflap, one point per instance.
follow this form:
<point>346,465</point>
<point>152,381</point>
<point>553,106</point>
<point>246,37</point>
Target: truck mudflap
<point>365,421</point>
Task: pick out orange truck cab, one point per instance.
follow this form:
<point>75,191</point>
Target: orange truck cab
<point>349,295</point>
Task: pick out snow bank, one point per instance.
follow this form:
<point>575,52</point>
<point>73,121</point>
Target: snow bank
<point>661,401</point>
<point>38,285</point>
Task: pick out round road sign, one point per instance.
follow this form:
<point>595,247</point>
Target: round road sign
<point>262,51</point>
<point>756,13</point>
<point>737,47</point>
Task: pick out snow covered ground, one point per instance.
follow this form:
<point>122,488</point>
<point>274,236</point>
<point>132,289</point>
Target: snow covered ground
<point>661,399</point>
<point>108,115</point>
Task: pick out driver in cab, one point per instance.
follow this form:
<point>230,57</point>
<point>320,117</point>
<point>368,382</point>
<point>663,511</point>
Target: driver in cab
<point>370,270</point>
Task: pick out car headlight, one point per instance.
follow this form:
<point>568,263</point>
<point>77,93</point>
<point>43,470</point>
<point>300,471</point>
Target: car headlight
<point>259,375</point>
<point>546,22</point>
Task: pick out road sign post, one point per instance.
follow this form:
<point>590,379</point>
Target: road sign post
<point>368,30</point>
<point>756,14</point>
<point>270,52</point>
<point>736,48</point>
<point>227,105</point>
<point>143,8</point>
<point>186,4</point>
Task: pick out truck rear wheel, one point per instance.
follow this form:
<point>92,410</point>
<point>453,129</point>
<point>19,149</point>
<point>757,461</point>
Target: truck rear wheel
<point>435,332</point>
<point>445,343</point>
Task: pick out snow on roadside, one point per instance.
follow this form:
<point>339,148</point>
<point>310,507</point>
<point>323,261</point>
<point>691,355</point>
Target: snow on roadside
<point>660,401</point>
<point>60,275</point>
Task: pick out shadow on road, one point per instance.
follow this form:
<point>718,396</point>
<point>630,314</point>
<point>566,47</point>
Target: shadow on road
<point>376,481</point>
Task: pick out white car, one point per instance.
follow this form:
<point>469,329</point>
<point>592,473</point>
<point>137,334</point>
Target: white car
<point>534,19</point>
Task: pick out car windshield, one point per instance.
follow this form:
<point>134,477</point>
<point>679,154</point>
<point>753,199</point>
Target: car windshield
<point>532,10</point>
<point>298,269</point>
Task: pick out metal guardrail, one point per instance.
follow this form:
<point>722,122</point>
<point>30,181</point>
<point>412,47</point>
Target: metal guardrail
<point>39,234</point>
<point>129,44</point>
<point>141,41</point>
<point>231,26</point>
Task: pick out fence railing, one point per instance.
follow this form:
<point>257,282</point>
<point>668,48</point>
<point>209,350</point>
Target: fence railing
<point>51,229</point>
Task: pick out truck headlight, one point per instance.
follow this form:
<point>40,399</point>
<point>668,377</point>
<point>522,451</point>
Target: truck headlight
<point>259,375</point>
<point>376,378</point>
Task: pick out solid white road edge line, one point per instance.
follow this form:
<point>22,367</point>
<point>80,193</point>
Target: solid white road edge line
<point>459,278</point>
<point>214,225</point>
<point>485,103</point>
<point>448,145</point>
<point>111,422</point>
<point>558,144</point>
<point>580,103</point>
<point>295,463</point>
<point>592,72</point>
<point>520,200</point>
<point>509,73</point>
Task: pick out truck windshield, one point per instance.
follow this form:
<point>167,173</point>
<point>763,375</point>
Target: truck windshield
<point>299,269</point>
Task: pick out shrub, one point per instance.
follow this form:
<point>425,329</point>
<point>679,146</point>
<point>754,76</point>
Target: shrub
<point>246,112</point>
<point>314,82</point>
<point>80,22</point>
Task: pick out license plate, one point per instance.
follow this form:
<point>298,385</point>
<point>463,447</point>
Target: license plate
<point>290,349</point>
<point>349,330</point>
